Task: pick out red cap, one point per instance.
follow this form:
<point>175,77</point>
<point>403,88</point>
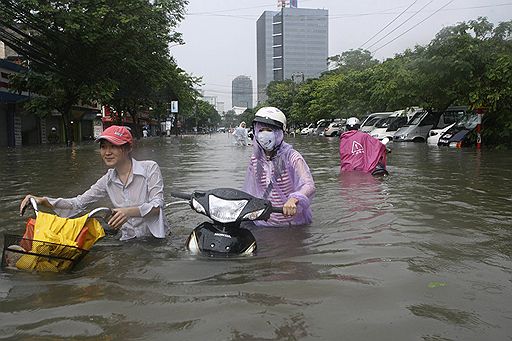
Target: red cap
<point>117,135</point>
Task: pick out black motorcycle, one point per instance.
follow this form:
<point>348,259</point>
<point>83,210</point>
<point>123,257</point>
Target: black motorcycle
<point>228,208</point>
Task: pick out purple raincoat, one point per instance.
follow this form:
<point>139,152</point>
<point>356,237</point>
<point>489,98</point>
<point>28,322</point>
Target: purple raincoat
<point>286,175</point>
<point>360,151</point>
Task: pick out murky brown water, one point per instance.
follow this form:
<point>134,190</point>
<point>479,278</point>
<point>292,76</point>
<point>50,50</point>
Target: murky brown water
<point>424,254</point>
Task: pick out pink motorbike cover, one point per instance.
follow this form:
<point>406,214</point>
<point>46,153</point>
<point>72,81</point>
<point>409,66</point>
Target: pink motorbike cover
<point>361,152</point>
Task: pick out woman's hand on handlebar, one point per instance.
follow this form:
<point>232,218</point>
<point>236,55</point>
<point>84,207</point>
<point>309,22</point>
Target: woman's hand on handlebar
<point>39,200</point>
<point>290,207</point>
<point>118,218</point>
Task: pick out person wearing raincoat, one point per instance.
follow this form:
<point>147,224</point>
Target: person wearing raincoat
<point>279,173</point>
<point>361,152</point>
<point>240,135</point>
<point>135,189</point>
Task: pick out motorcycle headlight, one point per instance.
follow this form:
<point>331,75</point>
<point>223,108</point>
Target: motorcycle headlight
<point>254,215</point>
<point>198,207</point>
<point>225,211</point>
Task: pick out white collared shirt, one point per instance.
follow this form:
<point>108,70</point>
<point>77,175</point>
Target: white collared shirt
<point>144,189</point>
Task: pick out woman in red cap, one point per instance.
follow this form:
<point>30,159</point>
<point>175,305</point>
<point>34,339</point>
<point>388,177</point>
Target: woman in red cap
<point>135,188</point>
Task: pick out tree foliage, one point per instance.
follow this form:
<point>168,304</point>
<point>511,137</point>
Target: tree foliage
<point>110,51</point>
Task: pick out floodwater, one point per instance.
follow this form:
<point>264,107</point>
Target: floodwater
<point>424,254</point>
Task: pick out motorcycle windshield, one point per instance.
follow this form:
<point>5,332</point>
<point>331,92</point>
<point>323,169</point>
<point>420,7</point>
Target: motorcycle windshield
<point>225,211</point>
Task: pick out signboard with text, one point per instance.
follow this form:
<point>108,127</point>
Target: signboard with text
<point>174,106</point>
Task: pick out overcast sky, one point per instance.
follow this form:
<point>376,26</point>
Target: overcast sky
<point>220,36</point>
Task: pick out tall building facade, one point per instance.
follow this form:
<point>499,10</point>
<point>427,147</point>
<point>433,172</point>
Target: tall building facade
<point>291,44</point>
<point>241,93</point>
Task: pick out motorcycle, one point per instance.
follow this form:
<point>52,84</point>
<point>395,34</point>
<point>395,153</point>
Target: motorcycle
<point>380,169</point>
<point>227,208</point>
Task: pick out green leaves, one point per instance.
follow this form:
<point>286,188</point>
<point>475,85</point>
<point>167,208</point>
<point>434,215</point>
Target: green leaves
<point>112,51</point>
<point>466,64</point>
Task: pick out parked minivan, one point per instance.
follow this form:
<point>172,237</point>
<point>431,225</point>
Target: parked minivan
<point>386,127</point>
<point>369,123</point>
<point>417,129</point>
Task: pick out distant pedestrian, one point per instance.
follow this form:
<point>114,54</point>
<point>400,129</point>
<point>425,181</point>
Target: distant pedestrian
<point>240,135</point>
<point>135,189</point>
<point>53,137</point>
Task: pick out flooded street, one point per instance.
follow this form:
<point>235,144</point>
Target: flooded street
<point>424,254</point>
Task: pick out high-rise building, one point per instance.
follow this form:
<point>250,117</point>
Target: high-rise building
<point>291,44</point>
<point>241,93</point>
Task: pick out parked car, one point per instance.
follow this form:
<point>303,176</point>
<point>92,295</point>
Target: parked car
<point>417,129</point>
<point>386,127</point>
<point>435,134</point>
<point>334,129</point>
<point>447,121</point>
<point>308,130</point>
<point>458,134</point>
<point>320,127</point>
<point>369,123</point>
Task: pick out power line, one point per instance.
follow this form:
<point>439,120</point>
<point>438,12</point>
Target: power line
<point>389,42</point>
<point>335,16</point>
<point>402,24</point>
<point>229,10</point>
<point>392,21</point>
<point>235,9</point>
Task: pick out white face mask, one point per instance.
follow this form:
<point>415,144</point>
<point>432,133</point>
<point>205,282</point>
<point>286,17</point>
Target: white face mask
<point>267,140</point>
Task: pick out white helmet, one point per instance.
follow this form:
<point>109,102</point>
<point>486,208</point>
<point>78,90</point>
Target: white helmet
<point>272,116</point>
<point>353,123</point>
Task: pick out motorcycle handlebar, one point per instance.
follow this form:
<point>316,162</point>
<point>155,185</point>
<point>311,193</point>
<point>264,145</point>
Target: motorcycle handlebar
<point>277,210</point>
<point>181,195</point>
<point>102,212</point>
<point>33,203</point>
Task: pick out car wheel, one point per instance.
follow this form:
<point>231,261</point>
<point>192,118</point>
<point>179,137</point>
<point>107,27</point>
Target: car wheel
<point>418,139</point>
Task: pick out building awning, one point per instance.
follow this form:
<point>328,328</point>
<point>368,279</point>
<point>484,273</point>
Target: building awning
<point>124,119</point>
<point>91,115</point>
<point>9,97</point>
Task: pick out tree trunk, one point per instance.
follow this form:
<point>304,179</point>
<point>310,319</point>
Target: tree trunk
<point>68,132</point>
<point>136,129</point>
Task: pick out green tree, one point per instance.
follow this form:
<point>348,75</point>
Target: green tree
<point>82,50</point>
<point>355,60</point>
<point>281,95</point>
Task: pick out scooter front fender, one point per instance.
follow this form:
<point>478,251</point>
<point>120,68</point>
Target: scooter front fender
<point>217,240</point>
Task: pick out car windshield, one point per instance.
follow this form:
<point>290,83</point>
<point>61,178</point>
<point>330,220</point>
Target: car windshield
<point>468,122</point>
<point>416,119</point>
<point>384,122</point>
<point>396,123</point>
<point>371,121</point>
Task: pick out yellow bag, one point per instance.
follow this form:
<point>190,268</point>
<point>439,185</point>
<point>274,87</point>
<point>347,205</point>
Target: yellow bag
<point>80,233</point>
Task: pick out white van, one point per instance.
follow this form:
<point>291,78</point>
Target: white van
<point>386,127</point>
<point>368,124</point>
<point>417,129</point>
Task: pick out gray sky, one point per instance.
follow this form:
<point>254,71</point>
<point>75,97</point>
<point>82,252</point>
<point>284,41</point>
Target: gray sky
<point>220,36</point>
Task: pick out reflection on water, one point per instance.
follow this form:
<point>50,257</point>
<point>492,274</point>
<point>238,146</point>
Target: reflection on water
<point>363,268</point>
